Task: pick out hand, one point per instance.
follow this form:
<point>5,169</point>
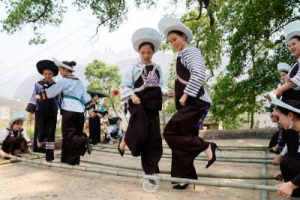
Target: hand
<point>170,93</point>
<point>183,99</point>
<point>2,153</point>
<point>277,92</point>
<point>277,160</point>
<point>286,189</point>
<point>38,97</point>
<point>99,115</point>
<point>91,113</point>
<point>135,99</point>
<point>275,148</point>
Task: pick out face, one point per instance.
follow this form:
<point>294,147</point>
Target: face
<point>282,76</point>
<point>63,71</point>
<point>294,47</point>
<point>118,122</point>
<point>17,125</point>
<point>95,98</point>
<point>284,120</point>
<point>274,117</point>
<point>146,53</point>
<point>178,42</point>
<point>48,75</point>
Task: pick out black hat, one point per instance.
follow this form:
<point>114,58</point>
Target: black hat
<point>93,93</point>
<point>113,120</point>
<point>47,64</point>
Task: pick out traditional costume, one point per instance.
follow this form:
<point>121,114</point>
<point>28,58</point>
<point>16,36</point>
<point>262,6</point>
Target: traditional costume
<point>145,80</point>
<point>290,172</point>
<point>45,113</point>
<point>114,131</point>
<point>182,131</point>
<point>95,122</point>
<point>74,100</point>
<point>12,140</point>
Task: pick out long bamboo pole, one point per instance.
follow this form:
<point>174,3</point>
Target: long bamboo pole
<point>200,159</point>
<point>167,153</point>
<point>207,175</point>
<point>139,175</point>
<point>264,194</point>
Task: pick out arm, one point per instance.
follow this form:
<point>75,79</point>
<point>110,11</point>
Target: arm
<point>109,131</point>
<point>195,64</point>
<point>26,137</point>
<point>285,87</point>
<point>31,107</point>
<point>127,84</point>
<point>56,89</point>
<point>164,89</point>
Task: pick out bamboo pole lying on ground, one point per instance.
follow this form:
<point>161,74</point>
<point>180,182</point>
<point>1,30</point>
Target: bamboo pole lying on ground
<point>160,178</point>
<point>200,159</point>
<point>95,147</point>
<point>12,160</point>
<point>206,175</point>
<point>264,194</point>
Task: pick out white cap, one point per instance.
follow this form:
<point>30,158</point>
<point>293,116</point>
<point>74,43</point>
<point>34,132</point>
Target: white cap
<point>146,35</point>
<point>21,115</point>
<point>282,66</point>
<point>60,64</point>
<point>292,29</point>
<point>168,24</point>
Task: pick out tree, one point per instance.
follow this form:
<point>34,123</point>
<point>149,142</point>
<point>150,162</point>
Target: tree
<point>252,30</point>
<point>39,13</point>
<point>104,79</point>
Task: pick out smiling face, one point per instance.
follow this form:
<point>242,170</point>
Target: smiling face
<point>177,41</point>
<point>294,47</point>
<point>146,53</point>
<point>282,76</point>
<point>285,119</point>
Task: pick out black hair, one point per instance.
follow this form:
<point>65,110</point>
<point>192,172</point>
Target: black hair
<point>292,103</point>
<point>145,44</point>
<point>296,37</point>
<point>70,64</point>
<point>178,33</point>
<point>19,121</point>
<point>284,71</point>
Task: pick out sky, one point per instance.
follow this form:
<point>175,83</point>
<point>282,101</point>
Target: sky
<point>70,41</point>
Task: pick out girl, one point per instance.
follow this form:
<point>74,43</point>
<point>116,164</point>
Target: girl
<point>74,101</point>
<point>114,132</point>
<point>142,88</point>
<point>288,112</point>
<point>44,112</point>
<point>96,112</point>
<point>192,103</point>
<point>283,69</point>
<point>14,138</point>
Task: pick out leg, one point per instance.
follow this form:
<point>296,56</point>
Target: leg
<point>50,139</point>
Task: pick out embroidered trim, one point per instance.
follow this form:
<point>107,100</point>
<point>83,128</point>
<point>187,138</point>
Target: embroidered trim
<point>181,80</point>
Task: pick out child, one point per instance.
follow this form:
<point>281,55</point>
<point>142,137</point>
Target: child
<point>45,111</point>
<point>96,112</point>
<point>114,132</point>
<point>74,101</point>
<point>142,89</point>
<point>14,138</point>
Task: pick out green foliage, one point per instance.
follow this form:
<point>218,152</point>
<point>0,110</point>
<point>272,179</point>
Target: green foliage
<point>104,79</point>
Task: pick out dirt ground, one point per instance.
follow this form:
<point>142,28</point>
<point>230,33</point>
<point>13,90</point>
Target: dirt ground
<point>24,181</point>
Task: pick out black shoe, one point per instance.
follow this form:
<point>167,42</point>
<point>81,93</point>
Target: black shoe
<point>88,146</point>
<point>180,186</point>
<point>213,148</point>
<point>121,152</point>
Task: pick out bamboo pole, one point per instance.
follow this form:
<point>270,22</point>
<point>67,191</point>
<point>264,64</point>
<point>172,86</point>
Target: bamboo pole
<point>201,159</point>
<point>264,194</point>
<point>206,175</point>
<point>161,178</point>
<point>167,153</point>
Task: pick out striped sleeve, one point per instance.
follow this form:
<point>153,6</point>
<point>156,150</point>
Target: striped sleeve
<point>193,61</point>
<point>296,78</point>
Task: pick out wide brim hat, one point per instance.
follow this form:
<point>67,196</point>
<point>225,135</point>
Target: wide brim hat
<point>113,120</point>
<point>146,35</point>
<point>21,115</point>
<point>279,103</point>
<point>282,66</point>
<point>100,95</point>
<point>60,64</point>
<point>292,29</point>
<point>47,64</point>
<point>168,24</point>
